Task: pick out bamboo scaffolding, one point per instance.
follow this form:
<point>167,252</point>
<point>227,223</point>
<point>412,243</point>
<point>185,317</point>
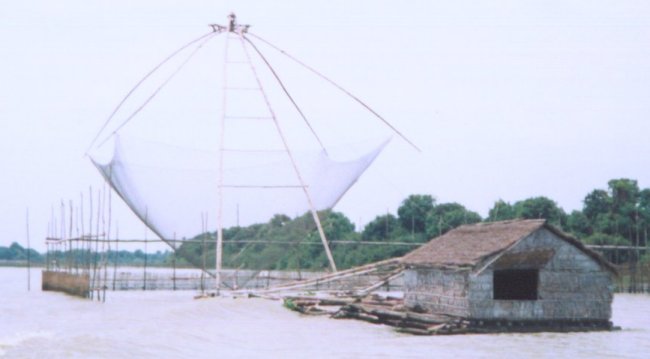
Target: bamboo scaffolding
<point>365,269</point>
<point>387,279</point>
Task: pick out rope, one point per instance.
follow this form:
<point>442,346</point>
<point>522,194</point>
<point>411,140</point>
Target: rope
<point>286,92</point>
<point>155,93</point>
<point>291,158</point>
<point>339,87</point>
<point>137,85</point>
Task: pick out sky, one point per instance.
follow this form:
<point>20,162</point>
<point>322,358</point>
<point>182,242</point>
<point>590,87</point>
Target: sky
<point>506,99</point>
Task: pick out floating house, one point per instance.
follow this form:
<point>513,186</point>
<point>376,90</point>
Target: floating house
<point>511,273</point>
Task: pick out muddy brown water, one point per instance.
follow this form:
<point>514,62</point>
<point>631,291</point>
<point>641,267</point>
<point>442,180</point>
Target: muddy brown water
<point>167,324</point>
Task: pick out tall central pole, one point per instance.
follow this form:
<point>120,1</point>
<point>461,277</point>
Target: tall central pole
<point>240,30</point>
<point>219,246</point>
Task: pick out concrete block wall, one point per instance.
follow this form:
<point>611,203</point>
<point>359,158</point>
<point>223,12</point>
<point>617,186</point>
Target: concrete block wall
<point>571,286</point>
<point>437,290</point>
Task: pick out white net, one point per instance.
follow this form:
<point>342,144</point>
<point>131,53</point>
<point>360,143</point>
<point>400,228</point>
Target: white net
<point>169,187</point>
<point>198,132</point>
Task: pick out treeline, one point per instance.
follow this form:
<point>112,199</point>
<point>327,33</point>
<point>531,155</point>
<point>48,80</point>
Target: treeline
<point>85,257</point>
<point>286,243</point>
<point>15,252</point>
<point>78,257</point>
<point>616,215</point>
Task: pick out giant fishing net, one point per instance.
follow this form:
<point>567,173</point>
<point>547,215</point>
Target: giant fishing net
<point>220,134</point>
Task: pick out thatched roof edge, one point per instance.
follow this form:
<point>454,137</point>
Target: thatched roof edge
<point>578,244</point>
<point>428,256</point>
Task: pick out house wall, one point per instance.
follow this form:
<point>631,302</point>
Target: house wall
<point>571,286</point>
<point>437,290</point>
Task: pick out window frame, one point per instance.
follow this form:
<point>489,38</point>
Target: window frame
<point>515,284</point>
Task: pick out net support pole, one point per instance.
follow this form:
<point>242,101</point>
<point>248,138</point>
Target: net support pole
<point>219,244</point>
<point>303,184</point>
<point>340,88</point>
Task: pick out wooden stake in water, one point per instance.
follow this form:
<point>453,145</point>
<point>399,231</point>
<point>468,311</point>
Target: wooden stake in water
<point>117,253</point>
<point>29,270</point>
<point>174,263</point>
<point>203,251</point>
<point>95,280</point>
<point>144,274</point>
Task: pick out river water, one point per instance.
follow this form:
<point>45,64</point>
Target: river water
<point>166,324</point>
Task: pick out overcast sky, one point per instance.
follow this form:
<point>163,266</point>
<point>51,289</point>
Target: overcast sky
<point>507,99</point>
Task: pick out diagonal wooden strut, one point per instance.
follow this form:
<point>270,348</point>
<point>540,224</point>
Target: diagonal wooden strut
<point>340,88</point>
<point>294,164</point>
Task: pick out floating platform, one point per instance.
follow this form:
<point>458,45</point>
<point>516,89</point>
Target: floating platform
<point>391,311</point>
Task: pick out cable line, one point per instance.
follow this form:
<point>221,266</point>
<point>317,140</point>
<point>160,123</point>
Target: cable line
<point>137,85</point>
<point>314,71</point>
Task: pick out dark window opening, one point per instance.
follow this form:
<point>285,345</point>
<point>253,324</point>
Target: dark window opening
<point>516,284</point>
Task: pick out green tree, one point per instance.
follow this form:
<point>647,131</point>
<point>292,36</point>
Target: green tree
<point>447,216</point>
<point>579,224</point>
<point>336,225</point>
<point>597,203</point>
<point>412,213</point>
<point>17,252</point>
<point>625,194</point>
<point>501,211</point>
<point>382,228</point>
<point>279,220</point>
<point>541,207</point>
<point>643,208</point>
<point>598,209</point>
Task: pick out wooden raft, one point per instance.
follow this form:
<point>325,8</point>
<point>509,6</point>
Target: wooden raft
<point>391,311</point>
<point>379,310</point>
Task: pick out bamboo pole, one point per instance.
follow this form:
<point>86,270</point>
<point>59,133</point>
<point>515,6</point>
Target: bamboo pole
<point>294,164</point>
<point>318,281</point>
<point>144,278</point>
<point>220,180</point>
<point>76,248</point>
<point>391,276</point>
<point>90,244</point>
<point>106,249</point>
<point>174,264</point>
<point>386,262</point>
<point>29,270</point>
<point>340,88</point>
<point>365,269</point>
<point>47,252</point>
<point>265,241</point>
<point>95,280</point>
<point>117,254</point>
<point>64,257</point>
<point>203,252</point>
<point>70,252</point>
<point>81,220</point>
<point>53,230</point>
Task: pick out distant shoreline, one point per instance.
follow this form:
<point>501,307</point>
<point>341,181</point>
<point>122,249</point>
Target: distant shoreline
<point>19,264</point>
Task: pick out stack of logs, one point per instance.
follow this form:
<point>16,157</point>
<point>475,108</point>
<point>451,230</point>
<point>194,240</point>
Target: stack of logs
<point>379,310</point>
